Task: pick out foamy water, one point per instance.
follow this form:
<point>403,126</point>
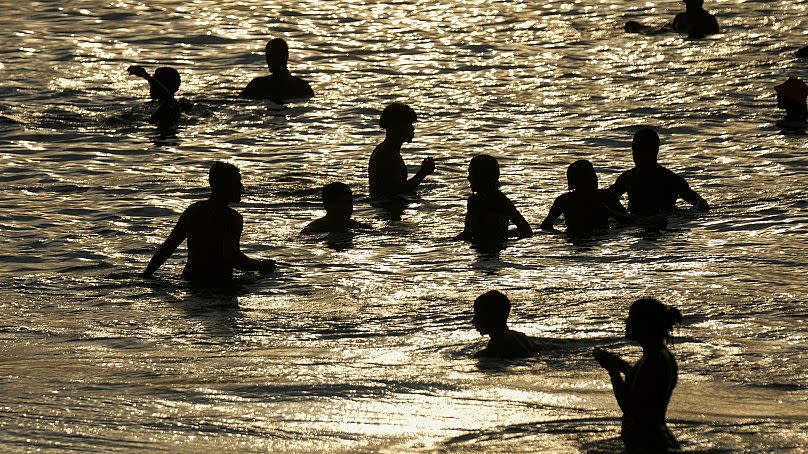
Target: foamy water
<point>367,345</point>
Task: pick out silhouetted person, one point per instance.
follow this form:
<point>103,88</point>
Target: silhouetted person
<point>338,203</point>
<point>652,189</point>
<point>644,389</point>
<point>585,207</point>
<point>281,85</point>
<point>491,311</point>
<point>695,22</point>
<point>162,86</point>
<point>801,52</point>
<point>213,231</point>
<point>387,173</point>
<point>489,212</point>
<point>791,96</point>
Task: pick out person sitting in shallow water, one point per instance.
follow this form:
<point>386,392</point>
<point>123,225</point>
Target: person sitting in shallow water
<point>213,231</point>
<point>162,86</point>
<point>652,189</point>
<point>338,202</point>
<point>489,212</point>
<point>585,207</point>
<point>644,390</point>
<point>791,96</point>
<point>387,173</point>
<point>280,85</point>
<point>695,21</point>
<point>491,310</point>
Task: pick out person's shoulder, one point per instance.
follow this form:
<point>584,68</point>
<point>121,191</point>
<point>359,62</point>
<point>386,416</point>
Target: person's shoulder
<point>258,88</point>
<point>315,226</point>
<point>302,86</point>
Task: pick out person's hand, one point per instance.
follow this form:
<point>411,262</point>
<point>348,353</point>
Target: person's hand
<point>267,266</point>
<point>427,166</point>
<point>136,70</point>
<point>607,360</point>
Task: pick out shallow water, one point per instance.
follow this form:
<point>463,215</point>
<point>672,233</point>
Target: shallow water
<point>365,343</point>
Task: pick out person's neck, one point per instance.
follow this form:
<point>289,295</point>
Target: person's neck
<point>218,201</point>
<point>694,9</point>
<point>281,72</point>
<point>499,333</point>
<point>335,220</point>
<point>650,346</point>
<point>392,144</point>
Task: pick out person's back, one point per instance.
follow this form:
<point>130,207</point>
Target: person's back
<point>387,172</point>
<point>695,21</point>
<point>281,85</point>
<point>652,189</point>
<point>512,344</point>
<point>209,227</point>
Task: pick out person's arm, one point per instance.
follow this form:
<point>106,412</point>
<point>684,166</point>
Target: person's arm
<point>523,229</point>
<point>615,209</point>
<point>465,235</point>
<point>690,196</point>
<point>427,168</point>
<point>240,260</point>
<point>139,71</point>
<point>614,365</point>
<point>556,210</point>
<point>619,187</point>
<point>175,238</point>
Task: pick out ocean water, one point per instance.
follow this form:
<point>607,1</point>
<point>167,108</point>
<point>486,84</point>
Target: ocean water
<point>364,343</point>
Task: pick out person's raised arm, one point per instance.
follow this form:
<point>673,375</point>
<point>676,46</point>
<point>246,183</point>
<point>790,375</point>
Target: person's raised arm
<point>139,71</point>
<point>175,238</point>
<point>614,365</point>
<point>427,168</point>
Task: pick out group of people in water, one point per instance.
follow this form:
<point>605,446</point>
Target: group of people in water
<point>642,390</point>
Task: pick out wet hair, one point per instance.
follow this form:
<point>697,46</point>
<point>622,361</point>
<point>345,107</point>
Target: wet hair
<point>486,168</point>
<point>794,90</point>
<point>333,192</point>
<point>581,174</point>
<point>493,306</point>
<point>221,173</point>
<point>276,52</point>
<point>645,144</point>
<point>395,114</point>
<point>654,318</point>
<point>169,77</point>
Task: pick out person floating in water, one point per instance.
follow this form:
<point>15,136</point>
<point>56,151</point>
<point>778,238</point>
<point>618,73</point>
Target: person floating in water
<point>644,389</point>
<point>338,203</point>
<point>162,86</point>
<point>489,212</point>
<point>585,207</point>
<point>695,21</point>
<point>213,231</point>
<point>387,173</point>
<point>491,310</point>
<point>791,96</point>
<point>281,85</point>
<point>652,189</point>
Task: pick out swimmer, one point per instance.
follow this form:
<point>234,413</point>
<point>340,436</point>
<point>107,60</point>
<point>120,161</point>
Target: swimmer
<point>491,311</point>
<point>338,202</point>
<point>162,86</point>
<point>585,207</point>
<point>489,212</point>
<point>652,189</point>
<point>791,96</point>
<point>644,389</point>
<point>695,21</point>
<point>213,231</point>
<point>387,174</point>
<point>281,85</point>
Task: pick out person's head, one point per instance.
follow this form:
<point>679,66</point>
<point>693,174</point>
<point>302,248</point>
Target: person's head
<point>483,173</point>
<point>167,76</point>
<point>225,182</point>
<point>645,147</point>
<point>792,94</point>
<point>650,322</point>
<point>694,4</point>
<point>338,200</point>
<point>581,175</point>
<point>397,120</point>
<point>277,53</point>
<point>491,310</point>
